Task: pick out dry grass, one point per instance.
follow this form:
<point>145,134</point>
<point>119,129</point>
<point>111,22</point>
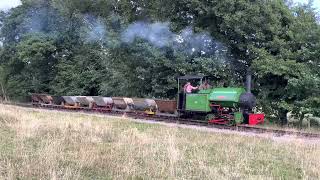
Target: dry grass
<point>52,145</point>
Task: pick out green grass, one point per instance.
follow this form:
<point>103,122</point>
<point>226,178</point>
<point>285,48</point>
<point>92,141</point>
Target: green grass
<point>54,145</point>
<point>293,126</point>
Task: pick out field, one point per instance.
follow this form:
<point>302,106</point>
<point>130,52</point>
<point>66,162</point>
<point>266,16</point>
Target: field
<point>54,145</point>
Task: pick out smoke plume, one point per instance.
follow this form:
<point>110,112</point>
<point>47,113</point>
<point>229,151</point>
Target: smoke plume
<point>48,21</point>
<point>95,29</point>
<point>160,35</point>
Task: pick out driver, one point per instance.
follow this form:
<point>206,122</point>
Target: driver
<point>188,88</point>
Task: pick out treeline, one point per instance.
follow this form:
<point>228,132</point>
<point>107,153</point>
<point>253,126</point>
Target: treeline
<point>139,48</point>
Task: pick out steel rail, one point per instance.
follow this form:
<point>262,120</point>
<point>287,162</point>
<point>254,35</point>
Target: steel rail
<point>174,120</point>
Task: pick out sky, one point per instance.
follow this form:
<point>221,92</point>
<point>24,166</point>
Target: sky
<point>8,4</point>
<point>316,3</point>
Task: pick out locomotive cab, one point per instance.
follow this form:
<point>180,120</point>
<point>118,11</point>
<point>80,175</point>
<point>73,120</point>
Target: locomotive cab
<point>195,80</point>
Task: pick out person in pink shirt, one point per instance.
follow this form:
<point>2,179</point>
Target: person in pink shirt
<point>188,88</point>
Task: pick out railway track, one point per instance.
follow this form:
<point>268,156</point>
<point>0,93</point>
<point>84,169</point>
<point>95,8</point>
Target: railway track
<point>177,120</point>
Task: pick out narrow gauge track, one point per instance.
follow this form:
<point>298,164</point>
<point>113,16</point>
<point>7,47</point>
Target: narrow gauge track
<point>176,120</point>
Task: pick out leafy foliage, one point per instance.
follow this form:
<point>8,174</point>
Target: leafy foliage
<point>71,47</point>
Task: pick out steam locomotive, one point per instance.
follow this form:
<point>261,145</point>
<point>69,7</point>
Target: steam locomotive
<point>228,106</point>
<point>224,106</point>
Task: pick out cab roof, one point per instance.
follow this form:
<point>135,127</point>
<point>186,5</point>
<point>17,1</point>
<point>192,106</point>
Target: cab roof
<point>191,77</point>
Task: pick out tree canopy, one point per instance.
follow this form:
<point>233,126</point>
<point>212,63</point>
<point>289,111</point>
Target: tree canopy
<point>139,48</point>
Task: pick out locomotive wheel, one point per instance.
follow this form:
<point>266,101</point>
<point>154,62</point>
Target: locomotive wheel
<point>210,117</point>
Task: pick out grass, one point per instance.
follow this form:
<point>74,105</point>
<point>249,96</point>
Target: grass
<point>293,126</point>
<point>55,145</point>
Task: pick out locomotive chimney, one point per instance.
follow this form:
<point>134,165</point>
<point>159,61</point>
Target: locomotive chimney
<point>249,80</point>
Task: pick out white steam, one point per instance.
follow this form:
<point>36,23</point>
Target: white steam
<point>159,34</point>
<point>96,29</point>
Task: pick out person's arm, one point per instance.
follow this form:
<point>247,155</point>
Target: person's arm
<point>194,87</point>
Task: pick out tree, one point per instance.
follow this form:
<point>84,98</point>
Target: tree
<point>81,74</point>
<point>46,49</point>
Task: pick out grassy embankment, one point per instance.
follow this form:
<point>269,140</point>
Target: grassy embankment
<point>54,145</point>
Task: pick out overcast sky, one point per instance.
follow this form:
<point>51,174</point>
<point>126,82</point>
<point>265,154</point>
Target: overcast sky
<point>8,4</point>
<point>316,3</point>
